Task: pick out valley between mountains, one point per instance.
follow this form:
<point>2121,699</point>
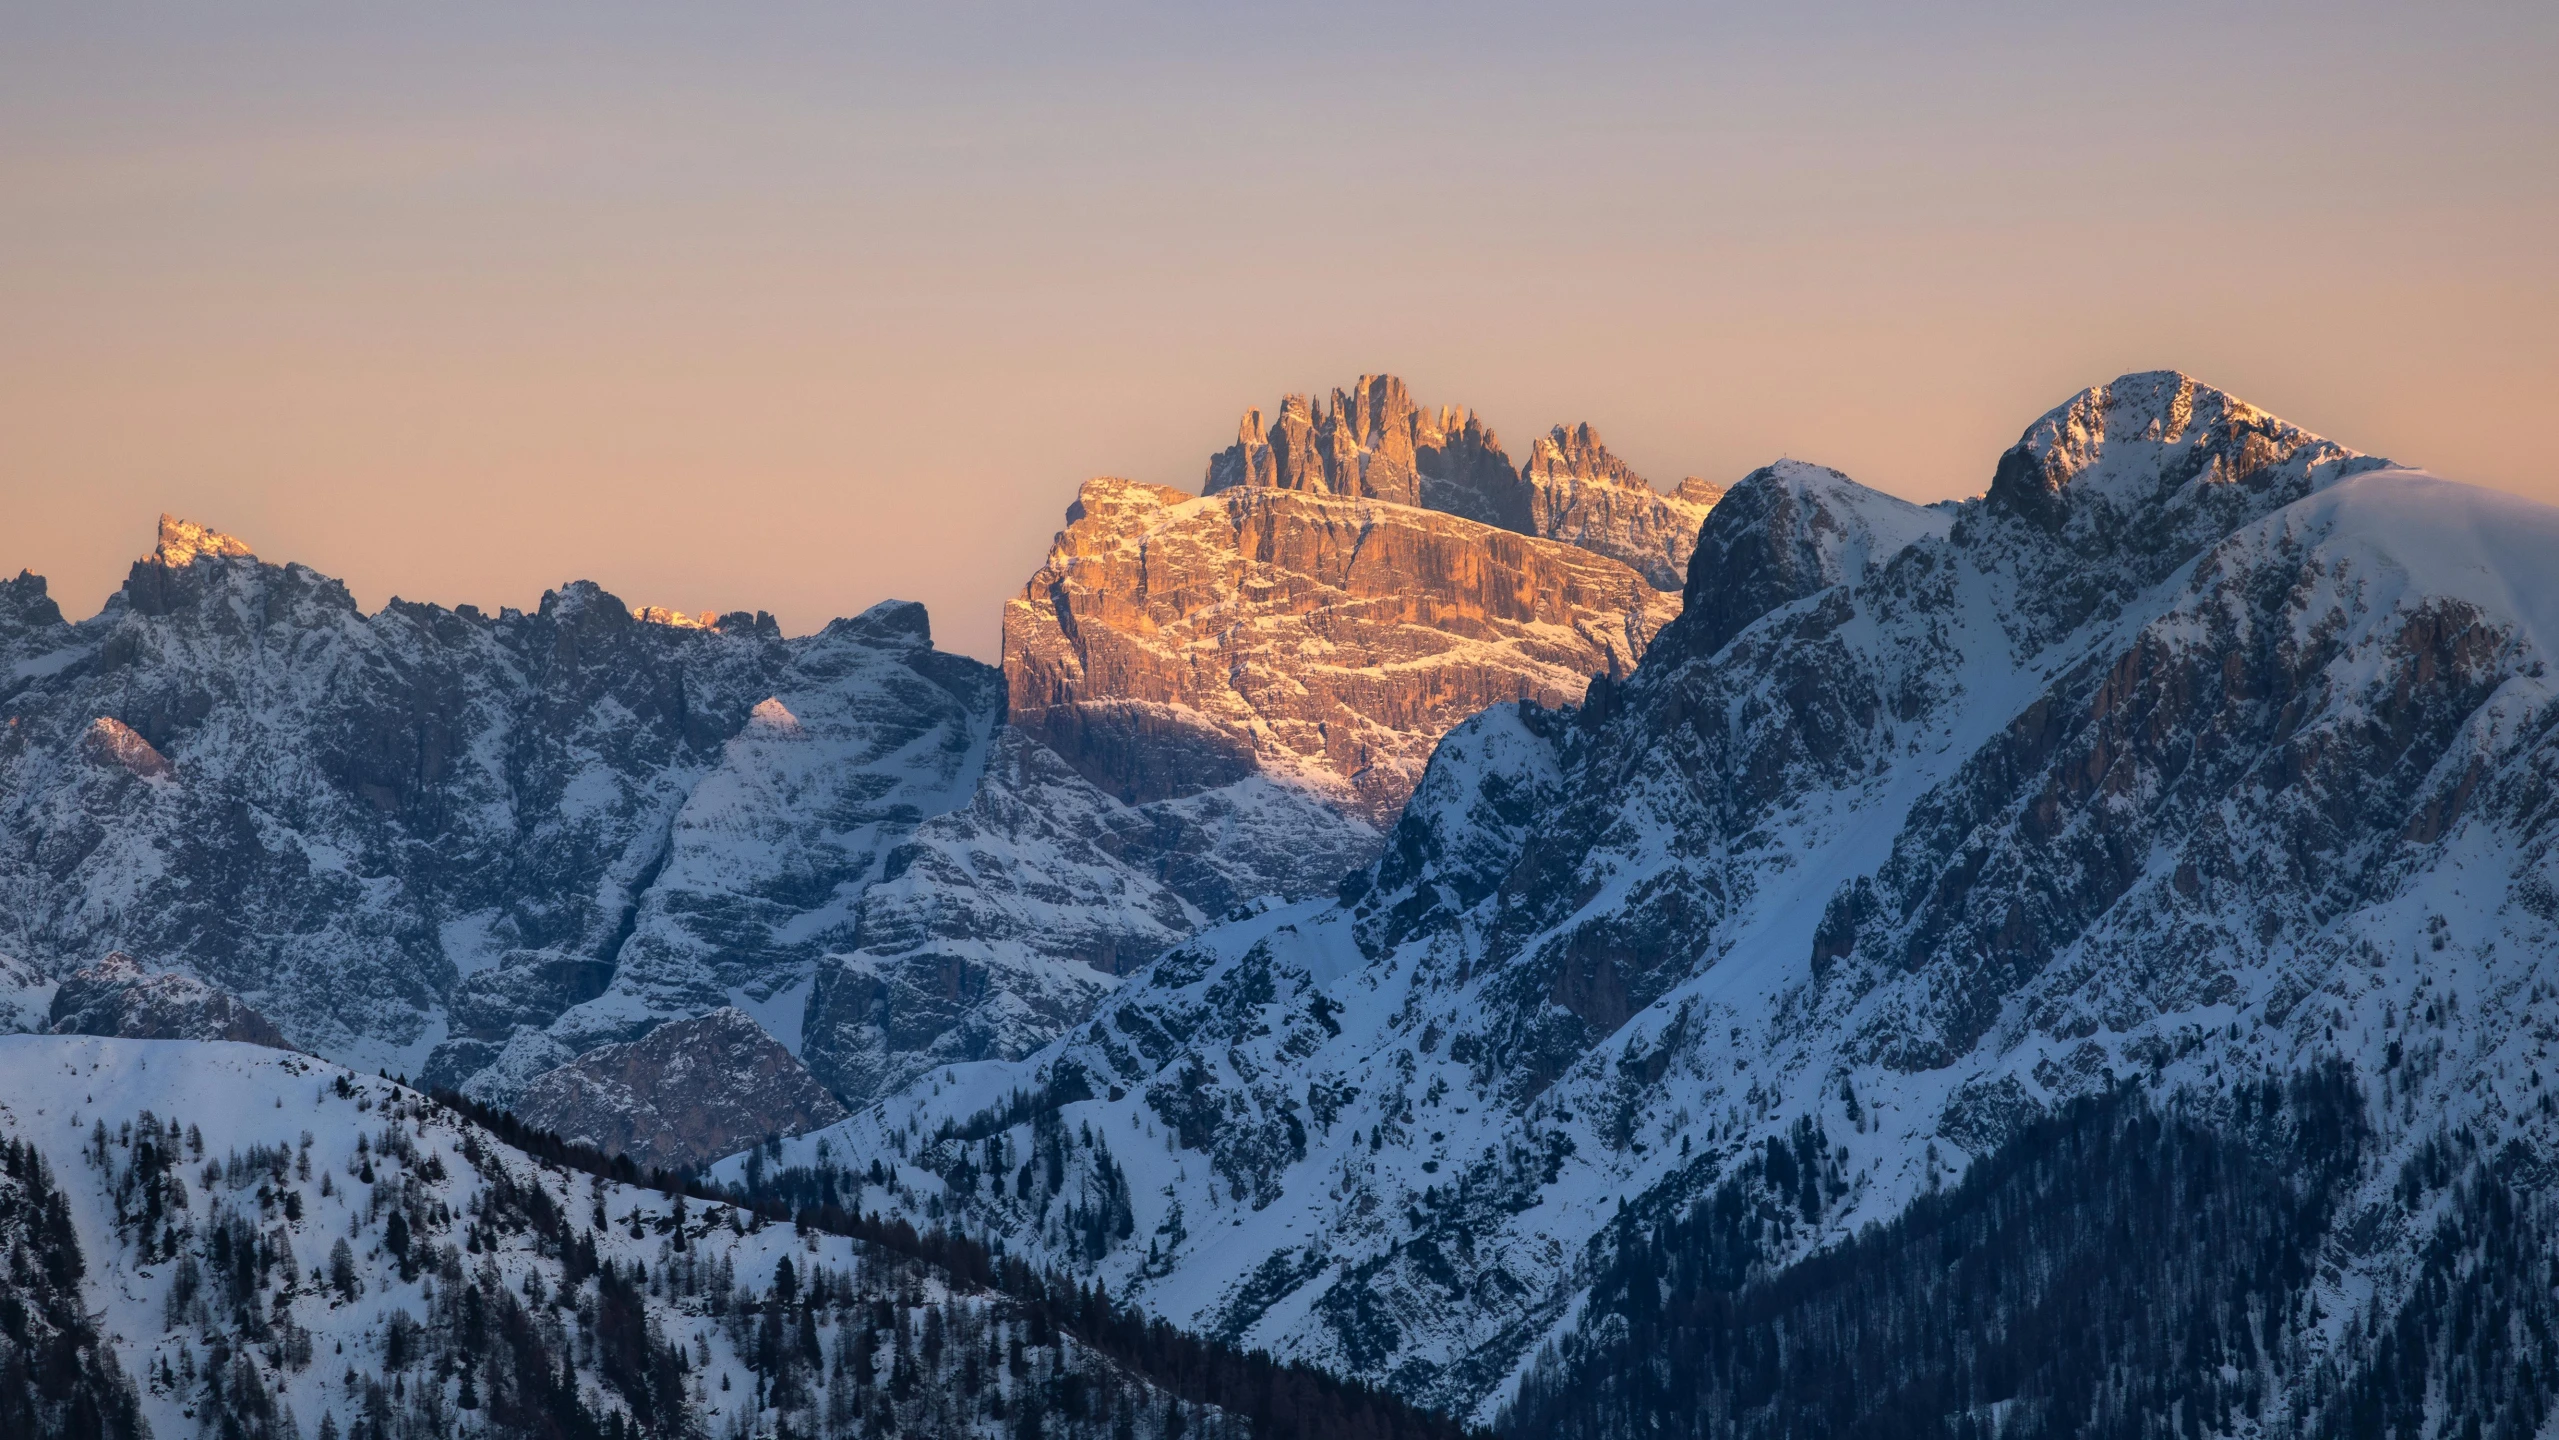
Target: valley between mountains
<point>1518,946</point>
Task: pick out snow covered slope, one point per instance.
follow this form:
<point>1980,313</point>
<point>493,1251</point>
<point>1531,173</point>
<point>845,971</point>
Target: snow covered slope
<point>2198,748</point>
<point>272,1241</point>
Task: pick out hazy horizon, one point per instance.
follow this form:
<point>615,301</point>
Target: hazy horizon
<point>803,310</point>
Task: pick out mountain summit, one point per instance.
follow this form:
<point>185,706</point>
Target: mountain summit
<point>1372,442</point>
<point>181,541</point>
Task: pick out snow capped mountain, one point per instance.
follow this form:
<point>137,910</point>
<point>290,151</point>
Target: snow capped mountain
<point>2198,749</point>
<point>2188,795</point>
<point>455,843</point>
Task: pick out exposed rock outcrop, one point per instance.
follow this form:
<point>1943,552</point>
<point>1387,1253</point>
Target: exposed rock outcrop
<point>118,997</point>
<point>688,1091</point>
<point>109,741</point>
<point>1175,643</point>
<point>1372,442</point>
<point>1583,495</point>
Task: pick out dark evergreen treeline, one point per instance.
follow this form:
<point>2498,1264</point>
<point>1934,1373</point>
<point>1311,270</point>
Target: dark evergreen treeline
<point>1277,1400</point>
<point>56,1378</point>
<point>2472,1353</point>
<point>2120,1268</point>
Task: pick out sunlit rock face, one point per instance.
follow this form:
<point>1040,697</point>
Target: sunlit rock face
<point>1175,643</point>
<point>1372,442</point>
<point>1581,494</point>
<point>473,847</point>
<point>1222,700</point>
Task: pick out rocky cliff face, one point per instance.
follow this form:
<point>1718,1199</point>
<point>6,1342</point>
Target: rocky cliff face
<point>1176,643</point>
<point>1582,495</point>
<point>2199,750</point>
<point>688,1091</point>
<point>475,847</point>
<point>1223,699</point>
<point>1372,442</point>
<point>449,842</point>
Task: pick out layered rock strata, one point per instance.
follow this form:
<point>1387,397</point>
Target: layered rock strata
<point>1372,442</point>
<point>1177,643</point>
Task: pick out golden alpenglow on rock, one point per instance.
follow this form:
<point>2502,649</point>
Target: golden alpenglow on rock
<point>1174,642</point>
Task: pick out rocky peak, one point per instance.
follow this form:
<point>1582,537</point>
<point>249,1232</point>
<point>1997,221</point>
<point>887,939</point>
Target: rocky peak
<point>1173,643</point>
<point>1575,452</point>
<point>1697,490</point>
<point>182,541</point>
<point>2140,440</point>
<point>26,612</point>
<point>189,564</point>
<point>888,621</point>
<point>2110,491</point>
<point>1580,493</point>
<point>1362,444</point>
<point>675,619</point>
<point>1787,531</point>
<point>1466,472</point>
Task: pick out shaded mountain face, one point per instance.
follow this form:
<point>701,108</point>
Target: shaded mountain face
<point>2198,752</point>
<point>449,842</point>
<point>689,1091</point>
<point>118,997</point>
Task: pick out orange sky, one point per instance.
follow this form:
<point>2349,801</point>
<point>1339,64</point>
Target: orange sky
<point>805,310</point>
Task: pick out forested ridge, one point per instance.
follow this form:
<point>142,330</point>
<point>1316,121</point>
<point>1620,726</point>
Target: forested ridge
<point>1269,1399</point>
<point>2124,1267</point>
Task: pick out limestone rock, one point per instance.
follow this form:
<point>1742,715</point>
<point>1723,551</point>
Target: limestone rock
<point>1581,494</point>
<point>109,741</point>
<point>1173,643</point>
<point>1372,442</point>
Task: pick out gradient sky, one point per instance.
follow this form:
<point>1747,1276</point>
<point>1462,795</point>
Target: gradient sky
<point>799,307</point>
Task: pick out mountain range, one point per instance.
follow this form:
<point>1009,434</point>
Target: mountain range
<point>1498,933</point>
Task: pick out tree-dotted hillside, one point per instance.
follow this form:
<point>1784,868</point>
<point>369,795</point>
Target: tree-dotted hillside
<point>278,1249</point>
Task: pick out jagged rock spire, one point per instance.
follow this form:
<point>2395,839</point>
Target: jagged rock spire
<point>181,541</point>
